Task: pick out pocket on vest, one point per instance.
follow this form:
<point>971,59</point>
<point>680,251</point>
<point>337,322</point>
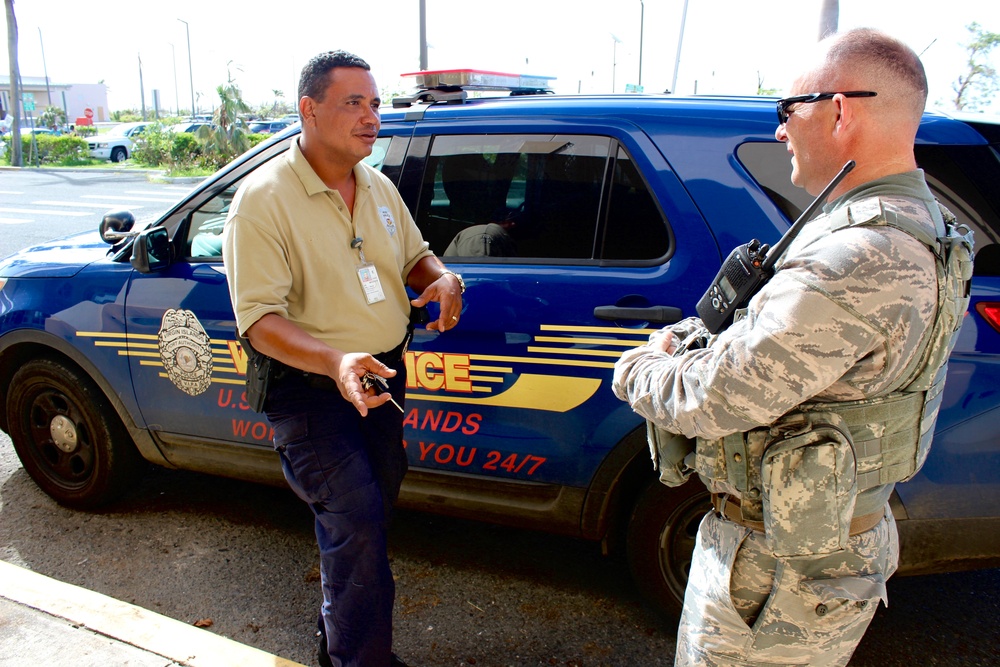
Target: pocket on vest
<point>809,475</point>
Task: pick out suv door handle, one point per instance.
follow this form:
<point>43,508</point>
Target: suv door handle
<point>657,314</point>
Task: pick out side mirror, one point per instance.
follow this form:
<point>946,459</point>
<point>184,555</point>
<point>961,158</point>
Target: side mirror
<point>151,251</point>
<point>117,226</point>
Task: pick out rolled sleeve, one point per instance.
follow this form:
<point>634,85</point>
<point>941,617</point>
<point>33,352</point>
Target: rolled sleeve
<point>257,269</point>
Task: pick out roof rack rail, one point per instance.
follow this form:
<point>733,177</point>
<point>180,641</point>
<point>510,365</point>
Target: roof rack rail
<point>452,85</point>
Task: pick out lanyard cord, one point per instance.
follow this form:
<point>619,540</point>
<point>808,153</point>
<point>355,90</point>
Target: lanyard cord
<point>356,243</point>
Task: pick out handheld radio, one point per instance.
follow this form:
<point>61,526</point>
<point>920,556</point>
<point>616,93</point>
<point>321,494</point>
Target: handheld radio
<point>750,266</point>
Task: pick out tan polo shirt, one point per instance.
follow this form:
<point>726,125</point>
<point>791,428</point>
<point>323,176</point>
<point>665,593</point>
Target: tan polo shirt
<point>287,250</point>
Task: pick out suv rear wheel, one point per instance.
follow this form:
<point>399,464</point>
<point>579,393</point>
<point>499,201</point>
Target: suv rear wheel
<point>661,536</point>
<point>68,436</point>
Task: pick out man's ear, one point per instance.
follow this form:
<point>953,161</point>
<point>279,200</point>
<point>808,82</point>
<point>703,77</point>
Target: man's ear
<point>306,108</point>
<point>846,118</point>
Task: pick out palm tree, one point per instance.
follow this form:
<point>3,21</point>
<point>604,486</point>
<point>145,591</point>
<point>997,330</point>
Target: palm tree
<point>228,139</point>
<point>277,94</point>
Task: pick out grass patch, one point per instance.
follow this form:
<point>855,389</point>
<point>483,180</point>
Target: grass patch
<point>192,170</point>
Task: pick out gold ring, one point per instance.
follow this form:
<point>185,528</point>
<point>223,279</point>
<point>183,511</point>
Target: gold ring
<point>454,318</point>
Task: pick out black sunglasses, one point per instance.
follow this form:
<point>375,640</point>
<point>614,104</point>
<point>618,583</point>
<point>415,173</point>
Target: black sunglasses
<point>814,97</point>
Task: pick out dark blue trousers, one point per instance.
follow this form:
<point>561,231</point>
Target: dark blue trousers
<point>348,469</point>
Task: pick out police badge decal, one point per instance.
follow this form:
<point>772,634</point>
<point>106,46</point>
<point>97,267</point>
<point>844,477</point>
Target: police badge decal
<point>186,351</point>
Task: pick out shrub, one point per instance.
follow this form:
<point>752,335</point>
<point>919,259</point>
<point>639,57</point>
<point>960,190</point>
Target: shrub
<point>186,149</point>
<point>153,146</point>
<point>52,150</point>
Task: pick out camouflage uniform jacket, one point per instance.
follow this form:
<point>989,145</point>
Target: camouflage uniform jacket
<point>844,313</point>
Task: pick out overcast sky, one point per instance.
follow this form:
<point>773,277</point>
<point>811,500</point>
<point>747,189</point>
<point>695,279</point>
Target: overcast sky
<point>588,45</point>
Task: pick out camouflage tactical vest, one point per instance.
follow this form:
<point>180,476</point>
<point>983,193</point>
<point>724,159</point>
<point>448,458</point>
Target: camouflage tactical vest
<point>870,442</point>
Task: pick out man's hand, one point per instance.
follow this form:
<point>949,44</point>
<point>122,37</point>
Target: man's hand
<point>351,368</point>
<point>448,294</point>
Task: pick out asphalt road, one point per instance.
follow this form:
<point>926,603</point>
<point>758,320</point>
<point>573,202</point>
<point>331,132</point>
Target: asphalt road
<point>243,556</point>
<point>198,548</point>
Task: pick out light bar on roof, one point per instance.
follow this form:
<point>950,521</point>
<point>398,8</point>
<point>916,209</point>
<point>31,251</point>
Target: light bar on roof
<point>472,79</point>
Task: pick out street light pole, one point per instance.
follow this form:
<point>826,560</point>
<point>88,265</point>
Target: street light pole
<point>177,97</point>
<point>48,92</point>
<point>187,28</point>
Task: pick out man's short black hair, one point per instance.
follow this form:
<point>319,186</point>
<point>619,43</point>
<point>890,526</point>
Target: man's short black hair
<point>314,79</point>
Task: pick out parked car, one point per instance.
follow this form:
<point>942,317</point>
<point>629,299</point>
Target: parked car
<point>268,126</point>
<point>116,144</point>
<point>624,207</point>
<point>189,126</point>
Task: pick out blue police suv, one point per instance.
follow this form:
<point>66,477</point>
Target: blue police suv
<point>580,224</point>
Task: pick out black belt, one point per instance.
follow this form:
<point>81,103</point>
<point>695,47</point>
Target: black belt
<point>327,383</point>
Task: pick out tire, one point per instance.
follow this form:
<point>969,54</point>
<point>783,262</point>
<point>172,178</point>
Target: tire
<point>119,154</point>
<point>660,539</point>
<point>68,437</point>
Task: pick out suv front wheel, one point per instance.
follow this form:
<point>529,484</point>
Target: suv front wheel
<point>661,537</point>
<point>68,437</point>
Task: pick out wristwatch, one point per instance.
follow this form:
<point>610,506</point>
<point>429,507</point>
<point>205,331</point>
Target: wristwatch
<point>461,283</point>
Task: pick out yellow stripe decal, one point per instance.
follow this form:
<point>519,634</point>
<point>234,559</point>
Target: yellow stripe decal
<point>551,393</point>
<point>617,331</point>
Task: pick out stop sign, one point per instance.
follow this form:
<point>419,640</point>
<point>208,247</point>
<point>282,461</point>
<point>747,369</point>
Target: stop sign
<point>88,112</point>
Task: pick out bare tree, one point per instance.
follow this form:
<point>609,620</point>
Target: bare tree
<point>981,80</point>
<point>829,18</point>
<point>15,86</point>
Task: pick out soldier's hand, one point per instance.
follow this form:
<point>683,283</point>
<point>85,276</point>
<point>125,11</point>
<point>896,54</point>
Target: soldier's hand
<point>664,340</point>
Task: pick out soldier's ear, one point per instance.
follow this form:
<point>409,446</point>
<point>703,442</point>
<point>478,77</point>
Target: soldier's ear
<point>847,117</point>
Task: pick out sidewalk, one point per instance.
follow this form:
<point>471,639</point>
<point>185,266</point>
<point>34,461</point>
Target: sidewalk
<point>47,622</point>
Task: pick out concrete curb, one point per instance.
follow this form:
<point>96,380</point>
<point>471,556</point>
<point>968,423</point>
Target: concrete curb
<point>146,630</point>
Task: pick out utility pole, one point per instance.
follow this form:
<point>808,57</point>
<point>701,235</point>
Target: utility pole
<point>423,35</point>
<point>614,59</point>
<point>680,42</point>
<point>16,104</point>
<point>642,23</point>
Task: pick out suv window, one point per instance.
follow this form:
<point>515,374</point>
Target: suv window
<point>204,237</point>
<point>964,193</point>
<point>635,228</point>
<point>204,234</point>
<point>530,197</point>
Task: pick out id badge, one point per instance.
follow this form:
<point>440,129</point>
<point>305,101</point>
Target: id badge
<point>370,283</point>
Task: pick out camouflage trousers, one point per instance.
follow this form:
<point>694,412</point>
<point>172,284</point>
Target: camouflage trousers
<point>743,607</point>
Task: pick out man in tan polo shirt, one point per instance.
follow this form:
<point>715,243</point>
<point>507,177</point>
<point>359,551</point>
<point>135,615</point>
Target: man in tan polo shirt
<point>319,249</point>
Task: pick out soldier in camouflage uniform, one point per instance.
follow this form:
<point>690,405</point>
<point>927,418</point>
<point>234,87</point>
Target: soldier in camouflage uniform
<point>785,404</point>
